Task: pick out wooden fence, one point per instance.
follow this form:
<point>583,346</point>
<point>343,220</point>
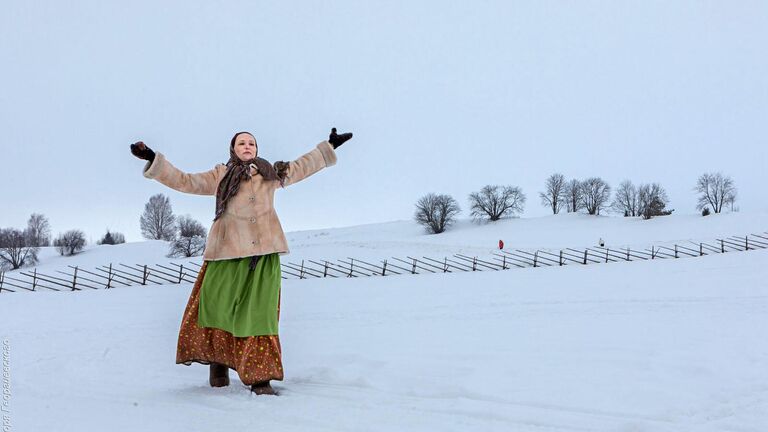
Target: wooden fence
<point>111,276</point>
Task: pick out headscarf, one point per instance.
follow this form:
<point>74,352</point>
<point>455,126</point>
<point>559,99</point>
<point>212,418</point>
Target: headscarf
<point>239,170</point>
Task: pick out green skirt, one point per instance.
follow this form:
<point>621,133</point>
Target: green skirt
<point>238,300</point>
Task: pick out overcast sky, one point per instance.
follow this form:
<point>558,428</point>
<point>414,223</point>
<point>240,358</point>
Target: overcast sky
<point>441,96</point>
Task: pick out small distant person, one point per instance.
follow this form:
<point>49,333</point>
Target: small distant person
<point>601,242</point>
<point>501,244</point>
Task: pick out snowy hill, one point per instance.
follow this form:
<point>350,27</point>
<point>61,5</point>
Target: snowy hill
<point>556,231</point>
<point>668,345</point>
<point>401,238</point>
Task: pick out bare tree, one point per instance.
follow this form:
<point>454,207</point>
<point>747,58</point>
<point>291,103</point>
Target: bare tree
<point>158,221</point>
<point>715,191</point>
<point>16,249</point>
<point>595,194</point>
<point>191,239</point>
<point>554,196</point>
<point>495,202</point>
<point>652,201</point>
<point>436,212</point>
<point>70,243</point>
<point>625,199</point>
<point>39,230</point>
<point>111,238</point>
<point>573,196</point>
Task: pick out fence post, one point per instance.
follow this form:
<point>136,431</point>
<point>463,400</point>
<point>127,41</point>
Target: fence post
<point>746,242</point>
<point>627,254</point>
<point>34,279</point>
<point>585,256</point>
<point>325,268</point>
<point>474,263</point>
<point>301,270</point>
<point>653,255</point>
<point>109,277</point>
<point>445,265</point>
<point>561,257</point>
<point>504,262</point>
<point>181,272</point>
<point>144,276</point>
<point>722,246</point>
<point>676,252</point>
<point>701,249</point>
<point>413,270</point>
<point>535,258</point>
<point>2,275</point>
<point>351,266</point>
<point>606,255</point>
<point>384,269</point>
<point>74,280</point>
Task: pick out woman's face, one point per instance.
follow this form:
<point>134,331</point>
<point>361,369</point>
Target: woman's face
<point>245,147</point>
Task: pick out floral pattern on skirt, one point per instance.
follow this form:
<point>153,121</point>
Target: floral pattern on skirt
<point>254,358</point>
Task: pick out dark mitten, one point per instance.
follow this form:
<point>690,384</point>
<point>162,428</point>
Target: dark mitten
<point>141,151</point>
<point>337,140</point>
<point>281,168</point>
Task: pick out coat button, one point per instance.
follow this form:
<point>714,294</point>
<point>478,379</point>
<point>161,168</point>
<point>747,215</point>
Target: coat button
<point>253,242</point>
<point>252,199</point>
<point>253,220</point>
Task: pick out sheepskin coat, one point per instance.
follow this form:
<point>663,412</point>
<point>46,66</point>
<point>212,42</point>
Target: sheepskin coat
<point>249,226</point>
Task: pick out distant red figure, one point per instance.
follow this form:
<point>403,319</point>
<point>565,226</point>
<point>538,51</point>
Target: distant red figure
<point>501,244</point>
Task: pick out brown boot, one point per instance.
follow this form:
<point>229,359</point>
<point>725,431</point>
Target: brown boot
<point>263,388</point>
<point>219,375</point>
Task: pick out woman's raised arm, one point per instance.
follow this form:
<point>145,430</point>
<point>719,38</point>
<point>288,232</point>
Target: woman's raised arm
<point>158,168</point>
<point>322,156</point>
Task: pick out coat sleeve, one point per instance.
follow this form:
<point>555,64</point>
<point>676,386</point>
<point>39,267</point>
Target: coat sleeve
<point>322,156</point>
<point>203,183</point>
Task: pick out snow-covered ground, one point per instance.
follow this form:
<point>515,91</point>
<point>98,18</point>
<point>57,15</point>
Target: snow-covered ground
<point>664,345</point>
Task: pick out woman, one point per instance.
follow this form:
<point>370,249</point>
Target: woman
<point>231,317</point>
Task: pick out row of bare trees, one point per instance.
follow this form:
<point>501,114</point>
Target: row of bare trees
<point>187,236</point>
<point>436,212</point>
<point>590,194</point>
<point>594,194</point>
<point>20,247</point>
<point>647,200</point>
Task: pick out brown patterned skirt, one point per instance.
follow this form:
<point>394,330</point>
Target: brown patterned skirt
<point>255,358</point>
